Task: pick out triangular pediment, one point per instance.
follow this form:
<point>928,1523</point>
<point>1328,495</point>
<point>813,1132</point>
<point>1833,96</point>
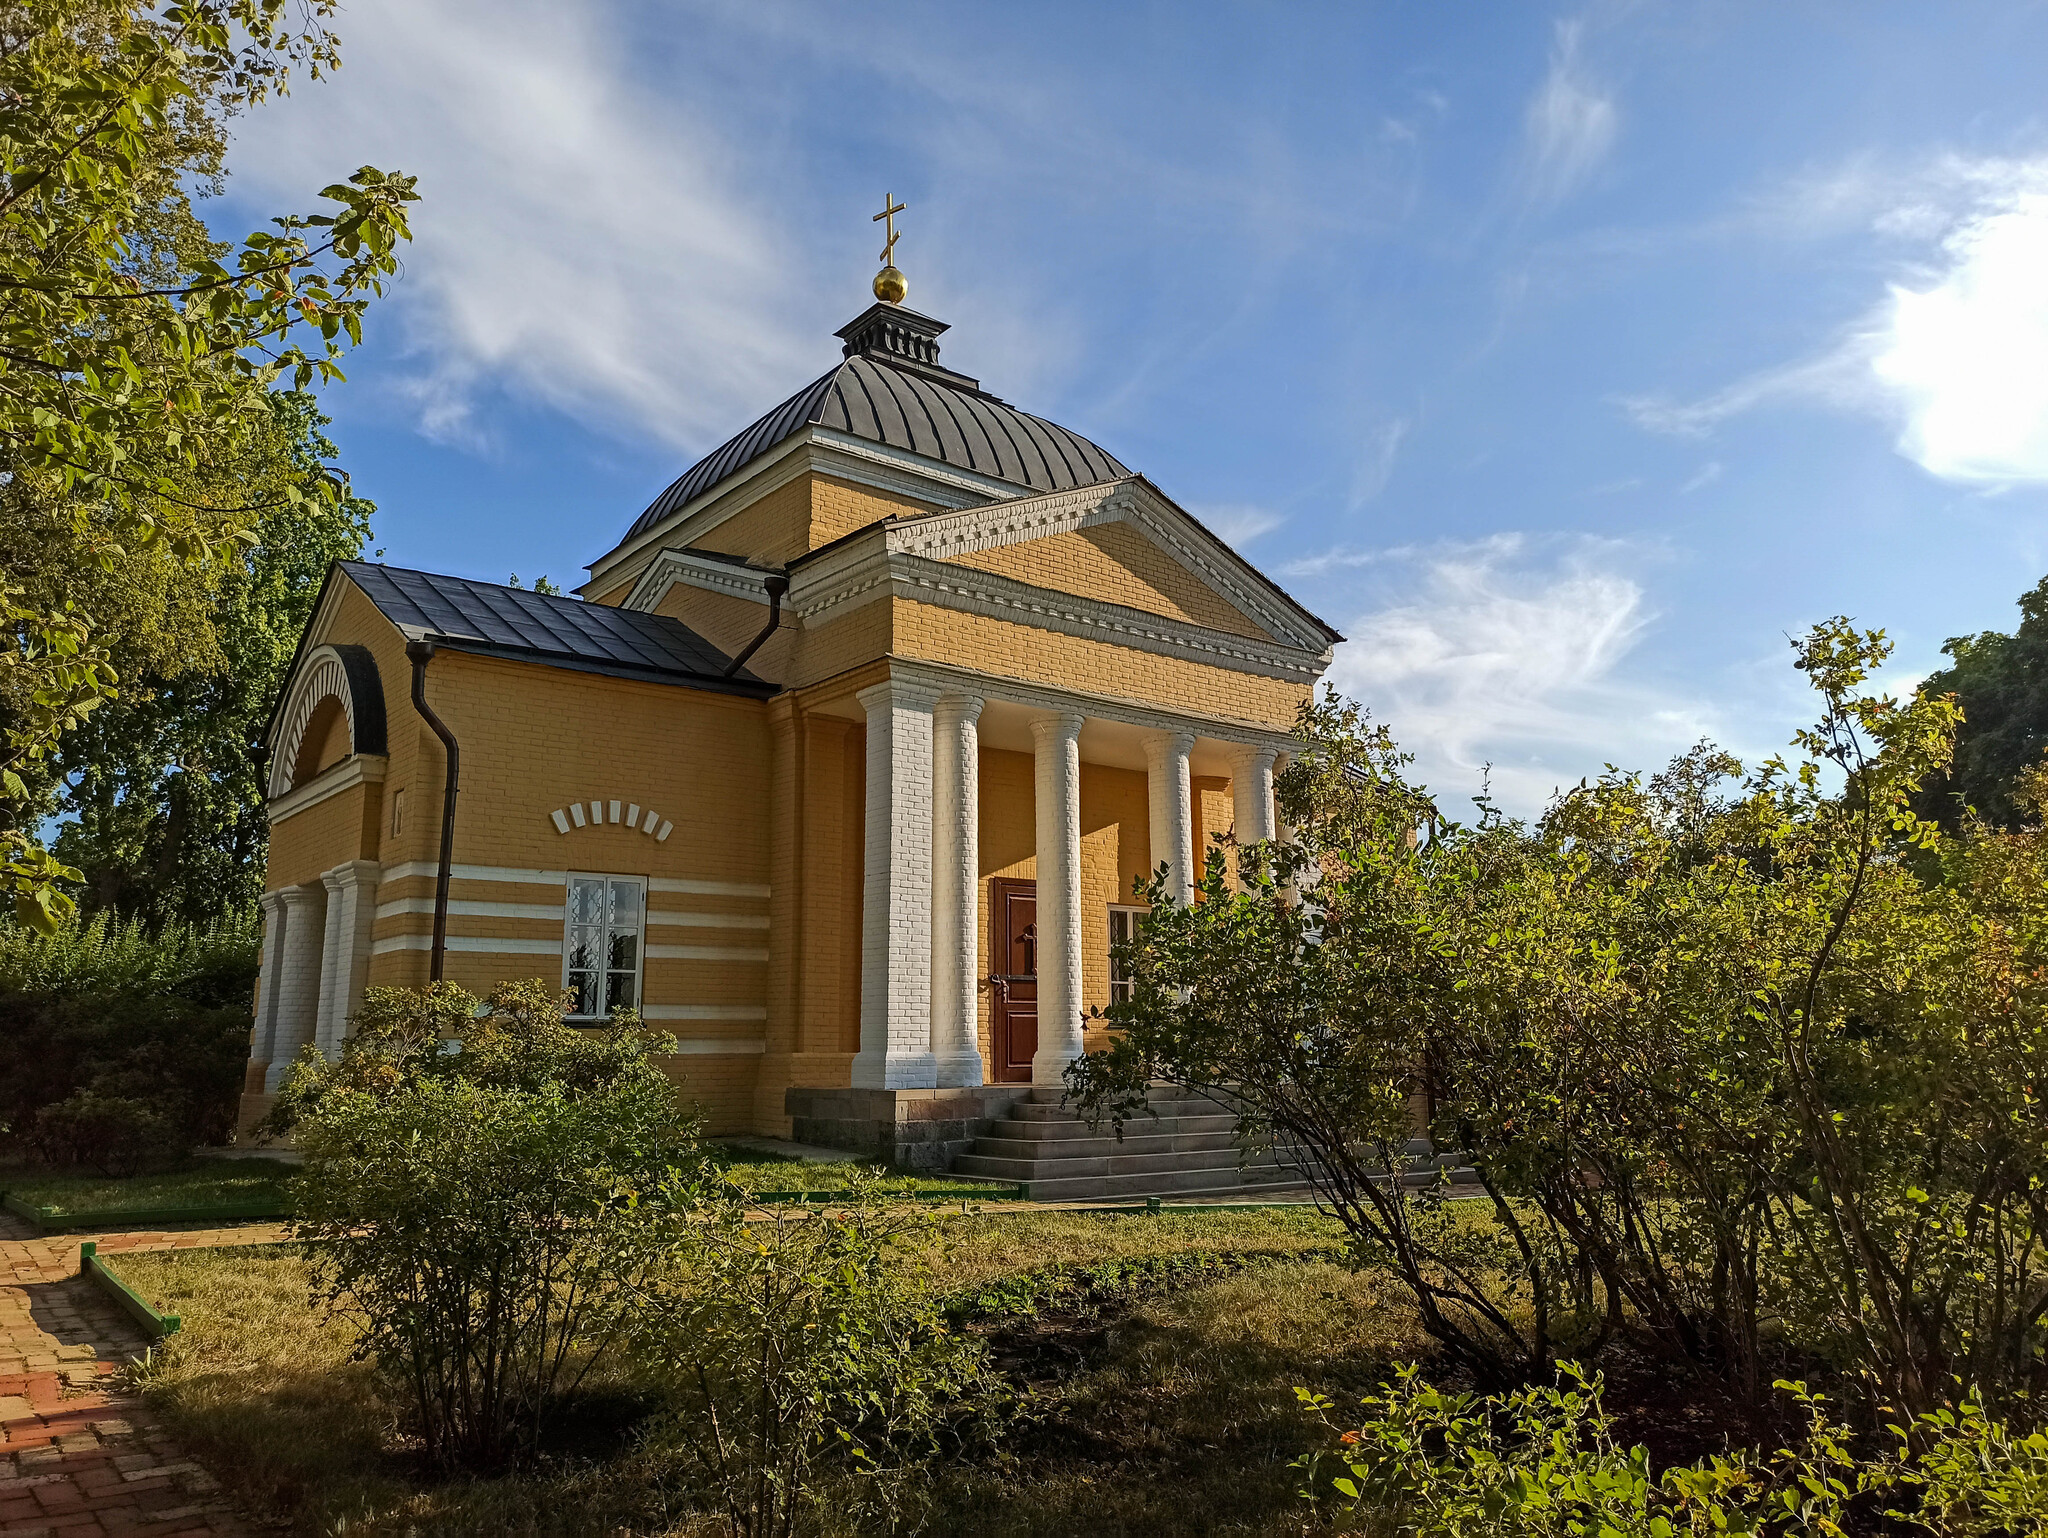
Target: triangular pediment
<point>1118,542</point>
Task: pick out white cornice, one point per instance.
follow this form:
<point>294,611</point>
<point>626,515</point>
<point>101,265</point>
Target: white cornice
<point>358,769</point>
<point>691,569</point>
<point>1130,500</point>
<point>824,451</point>
<point>867,569</point>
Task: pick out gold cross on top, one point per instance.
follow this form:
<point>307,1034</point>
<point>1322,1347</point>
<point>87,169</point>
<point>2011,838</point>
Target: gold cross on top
<point>890,209</point>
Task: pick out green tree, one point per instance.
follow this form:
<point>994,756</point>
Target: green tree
<point>162,788</point>
<point>137,358</point>
<point>2001,683</point>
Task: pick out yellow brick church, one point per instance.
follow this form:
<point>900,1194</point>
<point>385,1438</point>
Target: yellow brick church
<point>841,771</point>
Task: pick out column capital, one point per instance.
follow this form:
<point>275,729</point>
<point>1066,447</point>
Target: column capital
<point>295,896</point>
<point>1160,746</point>
<point>1252,755</point>
<point>897,694</point>
<point>1061,726</point>
<point>965,708</point>
<point>274,899</point>
<point>353,873</point>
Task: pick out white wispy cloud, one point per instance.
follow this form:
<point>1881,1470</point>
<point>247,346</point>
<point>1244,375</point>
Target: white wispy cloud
<point>1706,475</point>
<point>1510,651</point>
<point>1954,356</point>
<point>561,204</point>
<point>1237,524</point>
<point>1571,121</point>
<point>1377,451</point>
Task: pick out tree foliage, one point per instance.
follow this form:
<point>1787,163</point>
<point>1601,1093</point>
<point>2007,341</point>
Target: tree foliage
<point>2001,685</point>
<point>136,358</point>
<point>162,790</point>
<point>1745,1063</point>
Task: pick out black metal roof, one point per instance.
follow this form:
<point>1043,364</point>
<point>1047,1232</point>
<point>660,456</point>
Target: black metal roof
<point>907,408</point>
<point>540,627</point>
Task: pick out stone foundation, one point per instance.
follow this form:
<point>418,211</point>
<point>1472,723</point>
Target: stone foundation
<point>920,1130</point>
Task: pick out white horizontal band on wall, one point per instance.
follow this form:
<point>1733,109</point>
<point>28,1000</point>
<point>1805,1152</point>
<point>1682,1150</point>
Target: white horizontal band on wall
<point>482,943</point>
<point>561,878</point>
<point>462,906</point>
<point>703,1012</point>
<point>706,888</point>
<point>706,920</point>
<point>702,953</point>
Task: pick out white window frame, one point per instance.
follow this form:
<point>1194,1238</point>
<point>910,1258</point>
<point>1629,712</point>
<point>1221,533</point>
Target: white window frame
<point>639,883</point>
<point>1120,988</point>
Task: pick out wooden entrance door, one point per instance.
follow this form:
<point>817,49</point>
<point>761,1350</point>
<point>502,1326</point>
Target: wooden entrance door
<point>1013,948</point>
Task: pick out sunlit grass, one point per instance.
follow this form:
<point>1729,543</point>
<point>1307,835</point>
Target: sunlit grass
<point>193,1183</point>
<point>1173,1416</point>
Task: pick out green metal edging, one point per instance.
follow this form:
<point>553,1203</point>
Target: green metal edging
<point>56,1219</point>
<point>90,1264</point>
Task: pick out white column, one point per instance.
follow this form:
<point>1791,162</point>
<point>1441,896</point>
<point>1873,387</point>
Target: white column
<point>298,977</point>
<point>956,880</point>
<point>351,912</point>
<point>1172,811</point>
<point>263,1047</point>
<point>1056,761</point>
<point>896,899</point>
<point>1251,794</point>
<point>331,956</point>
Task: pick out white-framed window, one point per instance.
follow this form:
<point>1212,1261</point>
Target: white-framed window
<point>601,944</point>
<point>1123,923</point>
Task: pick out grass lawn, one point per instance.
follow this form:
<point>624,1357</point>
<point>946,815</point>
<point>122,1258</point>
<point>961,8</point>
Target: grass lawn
<point>193,1183</point>
<point>1161,1354</point>
<point>767,1174</point>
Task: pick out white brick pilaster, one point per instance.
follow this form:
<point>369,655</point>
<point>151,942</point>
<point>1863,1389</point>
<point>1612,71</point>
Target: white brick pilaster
<point>298,977</point>
<point>1056,762</point>
<point>345,964</point>
<point>956,877</point>
<point>1172,811</point>
<point>896,900</point>
<point>263,1043</point>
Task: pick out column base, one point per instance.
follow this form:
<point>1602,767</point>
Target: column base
<point>1049,1069</point>
<point>961,1070</point>
<point>254,1107</point>
<point>922,1130</point>
<point>909,1070</point>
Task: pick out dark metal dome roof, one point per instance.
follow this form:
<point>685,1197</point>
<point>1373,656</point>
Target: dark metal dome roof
<point>888,394</point>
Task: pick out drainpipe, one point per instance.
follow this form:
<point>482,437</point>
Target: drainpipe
<point>776,585</point>
<point>421,653</point>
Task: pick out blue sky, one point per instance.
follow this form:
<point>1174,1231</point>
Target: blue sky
<point>1567,360</point>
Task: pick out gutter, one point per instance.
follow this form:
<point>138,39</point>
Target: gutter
<point>776,585</point>
<point>420,653</point>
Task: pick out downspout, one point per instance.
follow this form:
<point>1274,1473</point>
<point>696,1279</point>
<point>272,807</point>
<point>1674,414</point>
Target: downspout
<point>421,653</point>
<point>777,585</point>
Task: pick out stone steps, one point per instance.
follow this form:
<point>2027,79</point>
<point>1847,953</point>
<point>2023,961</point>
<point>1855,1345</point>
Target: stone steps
<point>1186,1147</point>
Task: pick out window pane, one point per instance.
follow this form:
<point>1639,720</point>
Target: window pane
<point>624,950</point>
<point>584,986</point>
<point>620,993</point>
<point>586,902</point>
<point>586,945</point>
<point>626,904</point>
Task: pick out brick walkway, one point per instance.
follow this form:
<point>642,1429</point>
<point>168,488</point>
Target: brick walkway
<point>78,1456</point>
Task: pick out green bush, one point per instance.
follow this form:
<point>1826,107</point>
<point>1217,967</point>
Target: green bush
<point>114,1134</point>
<point>1545,1463</point>
<point>806,1341</point>
<point>481,1213</point>
<point>106,957</point>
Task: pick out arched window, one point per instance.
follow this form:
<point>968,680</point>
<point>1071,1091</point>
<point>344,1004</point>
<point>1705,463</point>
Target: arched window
<point>333,708</point>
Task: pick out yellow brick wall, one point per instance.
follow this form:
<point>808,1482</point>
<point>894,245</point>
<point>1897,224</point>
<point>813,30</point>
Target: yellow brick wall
<point>1073,662</point>
<point>1113,563</point>
<point>839,507</point>
<point>730,624</point>
<point>534,738</point>
<point>774,530</point>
